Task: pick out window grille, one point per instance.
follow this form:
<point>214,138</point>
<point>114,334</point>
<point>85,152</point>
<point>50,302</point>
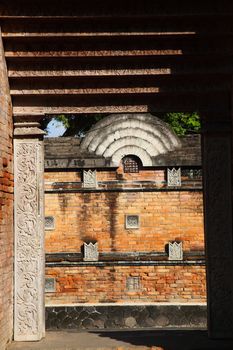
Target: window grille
<point>131,164</point>
<point>132,221</point>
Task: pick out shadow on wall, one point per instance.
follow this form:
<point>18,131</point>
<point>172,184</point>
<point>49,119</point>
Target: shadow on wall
<point>112,200</point>
<point>63,201</point>
<point>84,217</point>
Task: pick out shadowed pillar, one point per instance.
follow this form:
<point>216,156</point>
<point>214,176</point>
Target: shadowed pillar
<point>217,157</point>
<point>29,323</point>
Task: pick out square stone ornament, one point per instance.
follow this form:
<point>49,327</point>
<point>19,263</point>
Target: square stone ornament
<point>132,221</point>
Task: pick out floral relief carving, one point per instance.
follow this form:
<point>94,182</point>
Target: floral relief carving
<point>29,237</point>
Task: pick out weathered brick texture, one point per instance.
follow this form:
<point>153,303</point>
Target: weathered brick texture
<point>6,208</point>
<point>100,216</point>
<point>92,284</point>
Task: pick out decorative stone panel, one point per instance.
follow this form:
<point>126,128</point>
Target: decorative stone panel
<point>50,285</point>
<point>175,251</point>
<point>91,252</point>
<point>174,177</point>
<point>133,283</point>
<point>29,323</point>
<point>132,221</point>
<point>89,179</point>
<point>49,223</point>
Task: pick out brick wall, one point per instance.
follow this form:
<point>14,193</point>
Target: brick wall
<point>6,208</point>
<point>164,216</point>
<point>100,215</point>
<point>91,284</point>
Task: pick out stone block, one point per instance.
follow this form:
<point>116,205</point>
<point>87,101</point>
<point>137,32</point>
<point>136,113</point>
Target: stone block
<point>174,177</point>
<point>90,179</point>
<point>91,252</point>
<point>175,251</point>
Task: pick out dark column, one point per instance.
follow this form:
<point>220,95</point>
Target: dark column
<point>217,158</point>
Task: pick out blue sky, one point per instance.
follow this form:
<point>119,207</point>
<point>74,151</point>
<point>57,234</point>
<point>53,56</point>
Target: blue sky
<point>55,129</point>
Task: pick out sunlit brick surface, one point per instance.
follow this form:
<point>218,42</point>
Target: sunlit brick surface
<point>6,209</point>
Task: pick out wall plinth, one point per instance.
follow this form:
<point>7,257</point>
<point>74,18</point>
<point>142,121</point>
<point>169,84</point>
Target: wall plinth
<point>29,323</point>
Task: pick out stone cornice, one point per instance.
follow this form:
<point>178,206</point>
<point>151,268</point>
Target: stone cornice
<point>28,129</point>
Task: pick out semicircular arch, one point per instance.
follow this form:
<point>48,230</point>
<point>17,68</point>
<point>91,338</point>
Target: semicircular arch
<point>144,131</point>
<point>132,150</point>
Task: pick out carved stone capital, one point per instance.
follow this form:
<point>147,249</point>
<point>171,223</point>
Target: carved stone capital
<point>28,130</point>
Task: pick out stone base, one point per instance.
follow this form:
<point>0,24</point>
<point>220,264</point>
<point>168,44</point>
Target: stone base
<point>126,316</point>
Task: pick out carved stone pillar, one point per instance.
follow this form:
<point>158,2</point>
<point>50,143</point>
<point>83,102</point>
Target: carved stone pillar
<point>29,321</point>
<point>217,155</point>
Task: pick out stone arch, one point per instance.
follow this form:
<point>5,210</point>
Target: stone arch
<point>129,141</point>
<point>133,150</point>
<point>139,134</point>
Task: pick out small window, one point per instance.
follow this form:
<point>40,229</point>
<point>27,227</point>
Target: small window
<point>131,164</point>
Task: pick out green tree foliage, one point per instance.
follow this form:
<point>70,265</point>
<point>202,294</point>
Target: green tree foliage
<point>78,125</point>
<point>75,125</point>
<point>183,123</point>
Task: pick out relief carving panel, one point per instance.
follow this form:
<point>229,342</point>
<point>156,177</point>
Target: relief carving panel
<point>91,252</point>
<point>175,251</point>
<point>174,177</point>
<point>89,179</point>
<point>29,240</point>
